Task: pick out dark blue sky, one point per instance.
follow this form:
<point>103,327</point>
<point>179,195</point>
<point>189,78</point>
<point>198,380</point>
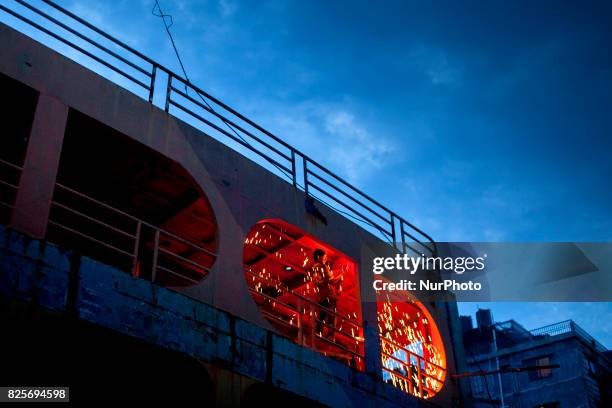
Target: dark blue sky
<point>487,121</point>
<point>477,121</point>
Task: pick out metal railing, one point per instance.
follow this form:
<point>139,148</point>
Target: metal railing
<point>9,185</point>
<point>112,236</point>
<point>140,74</point>
<point>299,308</point>
<point>568,326</point>
<point>413,373</point>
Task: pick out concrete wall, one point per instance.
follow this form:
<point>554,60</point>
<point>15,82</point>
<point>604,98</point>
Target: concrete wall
<point>44,275</point>
<point>240,192</point>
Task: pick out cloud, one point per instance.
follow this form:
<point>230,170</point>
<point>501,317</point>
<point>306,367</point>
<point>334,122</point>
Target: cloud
<point>98,14</point>
<point>440,72</point>
<point>227,7</point>
<point>331,133</point>
<point>355,150</point>
<point>437,65</point>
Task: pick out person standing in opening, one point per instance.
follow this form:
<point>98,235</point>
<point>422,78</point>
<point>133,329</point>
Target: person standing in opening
<point>329,288</point>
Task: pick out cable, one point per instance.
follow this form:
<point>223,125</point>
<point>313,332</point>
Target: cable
<point>157,11</point>
<point>480,368</point>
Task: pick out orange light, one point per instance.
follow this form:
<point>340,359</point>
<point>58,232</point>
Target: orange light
<point>412,351</point>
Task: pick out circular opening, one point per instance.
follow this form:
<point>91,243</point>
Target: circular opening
<point>129,206</point>
<point>307,297</point>
<point>412,351</point>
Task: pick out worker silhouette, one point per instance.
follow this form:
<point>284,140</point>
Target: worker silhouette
<point>329,287</point>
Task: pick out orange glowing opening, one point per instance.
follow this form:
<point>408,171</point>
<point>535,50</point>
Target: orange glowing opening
<point>412,350</point>
<point>285,281</point>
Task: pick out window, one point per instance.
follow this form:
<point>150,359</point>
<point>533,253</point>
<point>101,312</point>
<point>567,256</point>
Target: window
<point>316,306</point>
<point>412,351</point>
<point>535,375</point>
<point>591,365</point>
<point>128,206</point>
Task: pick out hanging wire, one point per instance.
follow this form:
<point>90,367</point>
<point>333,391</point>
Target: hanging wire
<point>169,22</point>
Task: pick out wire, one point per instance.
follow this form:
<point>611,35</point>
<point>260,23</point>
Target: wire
<point>480,368</point>
<point>157,11</point>
<point>167,26</point>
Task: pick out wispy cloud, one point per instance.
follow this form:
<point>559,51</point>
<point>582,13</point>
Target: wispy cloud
<point>354,148</point>
<point>436,64</point>
<point>227,7</point>
<point>331,133</point>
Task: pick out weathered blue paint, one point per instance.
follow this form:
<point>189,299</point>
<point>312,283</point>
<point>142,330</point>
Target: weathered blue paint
<point>39,273</point>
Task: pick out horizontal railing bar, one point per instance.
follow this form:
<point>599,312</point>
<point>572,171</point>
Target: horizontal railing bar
<point>293,152</point>
<point>232,111</point>
<point>395,358</point>
<point>76,47</point>
<point>99,31</point>
<point>131,255</point>
<point>183,240</point>
<point>267,254</point>
<point>347,184</point>
<point>406,245</point>
<point>311,302</point>
<point>355,189</point>
<point>11,185</point>
<point>342,332</point>
<point>83,37</point>
<point>339,345</point>
<point>171,272</point>
<point>271,299</point>
<point>98,202</point>
<point>422,386</point>
<point>304,157</point>
<point>282,321</point>
<point>366,219</point>
<point>400,376</point>
<point>407,364</point>
<point>189,261</point>
<point>131,217</point>
<point>230,123</point>
<point>12,165</point>
<point>287,290</point>
<point>424,376</point>
<point>226,133</point>
<point>410,352</point>
<point>65,207</point>
<point>385,219</point>
<point>403,223</point>
<point>414,239</point>
<point>7,205</point>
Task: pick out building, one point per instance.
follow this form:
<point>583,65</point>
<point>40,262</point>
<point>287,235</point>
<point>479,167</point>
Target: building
<point>577,369</point>
<point>158,246</point>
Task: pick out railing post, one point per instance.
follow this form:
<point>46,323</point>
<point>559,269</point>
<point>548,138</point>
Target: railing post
<point>152,85</point>
<point>403,238</point>
<point>155,254</point>
<point>313,326</point>
<point>135,269</point>
<point>393,231</point>
<point>419,379</point>
<point>293,172</point>
<point>168,92</point>
<point>299,322</point>
<point>409,370</point>
<point>305,167</point>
